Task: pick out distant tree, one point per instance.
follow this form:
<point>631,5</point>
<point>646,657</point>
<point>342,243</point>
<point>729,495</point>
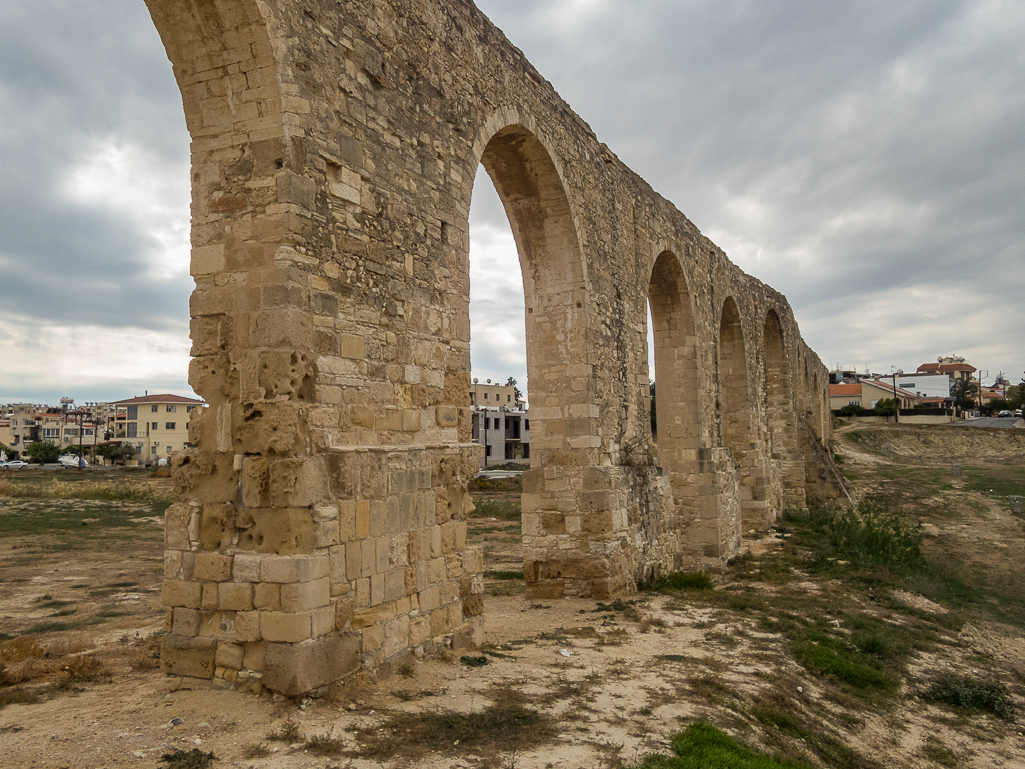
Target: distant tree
<point>962,391</point>
<point>43,452</point>
<point>886,407</point>
<point>114,452</point>
<point>76,451</point>
<point>850,410</point>
<point>516,390</point>
<point>123,452</point>
<point>1016,395</point>
<point>997,405</point>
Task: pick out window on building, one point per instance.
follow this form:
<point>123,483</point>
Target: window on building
<point>154,409</point>
<point>14,423</point>
<point>526,424</point>
<point>508,398</point>
<point>171,409</point>
<point>485,396</point>
<point>169,425</point>
<point>189,408</point>
<point>154,425</point>
<point>133,430</point>
<point>133,412</point>
<point>89,431</point>
<point>168,449</point>
<point>138,449</point>
<point>487,451</point>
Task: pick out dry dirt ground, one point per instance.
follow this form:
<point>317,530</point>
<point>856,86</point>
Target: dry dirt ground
<point>79,609</point>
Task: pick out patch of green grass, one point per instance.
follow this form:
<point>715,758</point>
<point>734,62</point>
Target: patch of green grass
<point>59,627</point>
<point>940,754</point>
<point>679,580</point>
<point>702,746</point>
<point>972,695</point>
<point>843,661</point>
<point>504,574</point>
<point>996,481</point>
<point>502,509</point>
<point>62,526</point>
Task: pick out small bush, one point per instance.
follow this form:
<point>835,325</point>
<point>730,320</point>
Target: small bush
<point>255,750</point>
<point>474,662</point>
<point>972,695</point>
<point>194,759</point>
<point>322,745</point>
<point>288,732</point>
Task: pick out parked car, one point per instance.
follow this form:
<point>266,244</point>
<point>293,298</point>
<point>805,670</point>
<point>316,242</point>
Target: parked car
<point>1017,412</point>
<point>14,464</point>
<point>1004,413</point>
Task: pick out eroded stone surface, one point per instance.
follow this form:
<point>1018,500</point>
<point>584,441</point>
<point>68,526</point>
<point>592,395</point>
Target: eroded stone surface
<point>319,527</point>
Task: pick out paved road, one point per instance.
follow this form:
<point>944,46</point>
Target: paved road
<point>992,422</point>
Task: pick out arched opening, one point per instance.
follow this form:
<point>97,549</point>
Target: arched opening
<point>561,420</point>
<point>735,417</point>
<point>675,373</point>
<point>785,475</point>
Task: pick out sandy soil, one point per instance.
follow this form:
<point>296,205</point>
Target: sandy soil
<point>613,683</point>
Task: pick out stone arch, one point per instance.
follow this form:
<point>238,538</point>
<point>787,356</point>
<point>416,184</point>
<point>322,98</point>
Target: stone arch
<point>676,369</point>
<point>533,193</point>
<point>736,413</point>
<point>787,483</point>
<point>564,421</point>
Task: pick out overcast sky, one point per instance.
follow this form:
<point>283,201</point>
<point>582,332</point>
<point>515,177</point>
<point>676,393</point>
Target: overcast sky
<point>865,158</point>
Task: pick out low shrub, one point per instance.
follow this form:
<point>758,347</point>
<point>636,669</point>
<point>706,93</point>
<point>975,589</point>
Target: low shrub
<point>972,694</point>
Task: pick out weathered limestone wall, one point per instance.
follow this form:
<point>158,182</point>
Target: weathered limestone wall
<point>319,529</point>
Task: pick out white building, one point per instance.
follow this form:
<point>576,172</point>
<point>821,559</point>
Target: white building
<point>504,433</point>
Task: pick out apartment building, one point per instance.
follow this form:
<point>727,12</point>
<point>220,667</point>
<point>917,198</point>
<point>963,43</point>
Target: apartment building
<point>494,395</point>
<point>157,426</point>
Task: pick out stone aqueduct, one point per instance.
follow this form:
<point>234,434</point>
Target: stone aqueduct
<point>319,528</point>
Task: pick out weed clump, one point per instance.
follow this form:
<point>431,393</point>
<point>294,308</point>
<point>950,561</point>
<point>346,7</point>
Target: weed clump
<point>972,695</point>
<point>474,662</point>
<point>322,745</point>
<point>864,536</point>
<point>288,732</point>
<point>499,727</point>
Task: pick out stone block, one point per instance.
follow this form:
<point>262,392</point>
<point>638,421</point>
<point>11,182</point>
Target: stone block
<point>294,669</point>
<point>230,655</point>
<point>303,596</point>
<point>287,627</point>
<point>235,596</point>
<point>178,592</point>
<point>186,622</point>
<point>213,567</point>
<point>246,567</point>
<point>192,657</point>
